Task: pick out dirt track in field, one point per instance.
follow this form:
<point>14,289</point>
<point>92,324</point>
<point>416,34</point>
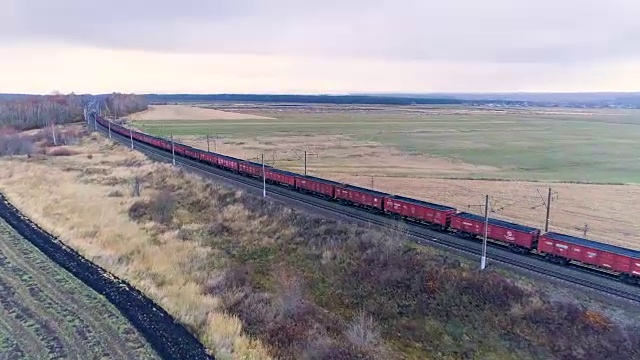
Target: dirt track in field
<point>183,112</point>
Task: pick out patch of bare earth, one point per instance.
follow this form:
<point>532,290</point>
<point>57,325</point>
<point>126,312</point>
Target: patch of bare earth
<point>604,209</point>
<point>185,112</point>
<point>337,154</point>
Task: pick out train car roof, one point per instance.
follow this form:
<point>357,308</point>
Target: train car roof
<point>319,179</point>
<point>365,190</point>
<point>285,172</point>
<point>594,244</point>
<point>423,203</point>
<point>496,222</point>
<point>255,163</point>
<point>227,157</point>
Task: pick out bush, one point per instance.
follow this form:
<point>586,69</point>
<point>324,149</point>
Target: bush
<point>115,193</point>
<point>61,151</point>
<point>16,145</point>
<point>162,207</point>
<point>139,210</point>
<point>8,130</point>
<point>362,332</point>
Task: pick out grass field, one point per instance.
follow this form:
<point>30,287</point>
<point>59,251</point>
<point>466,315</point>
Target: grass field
<point>599,146</point>
<point>84,200</point>
<point>258,280</point>
<point>408,151</point>
<point>47,313</point>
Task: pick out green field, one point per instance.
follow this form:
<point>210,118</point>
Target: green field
<point>603,147</point>
<point>47,313</point>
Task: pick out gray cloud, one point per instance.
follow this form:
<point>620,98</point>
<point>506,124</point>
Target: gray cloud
<point>532,31</point>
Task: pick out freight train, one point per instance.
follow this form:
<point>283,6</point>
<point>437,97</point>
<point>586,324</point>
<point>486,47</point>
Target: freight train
<point>555,247</point>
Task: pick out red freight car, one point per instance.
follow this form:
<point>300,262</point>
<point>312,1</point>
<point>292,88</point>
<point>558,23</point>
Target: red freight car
<point>228,162</point>
<point>192,153</point>
<point>316,185</point>
<point>565,248</point>
<point>418,210</point>
<point>361,196</point>
<point>521,238</point>
<point>281,177</point>
<point>178,148</point>
<point>209,158</point>
<point>251,168</point>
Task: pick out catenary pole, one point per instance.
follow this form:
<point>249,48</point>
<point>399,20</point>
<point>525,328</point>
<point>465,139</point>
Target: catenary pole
<point>483,261</point>
<point>131,135</point>
<point>208,150</point>
<point>305,163</point>
<point>109,129</point>
<point>264,179</point>
<point>546,225</point>
<point>173,151</point>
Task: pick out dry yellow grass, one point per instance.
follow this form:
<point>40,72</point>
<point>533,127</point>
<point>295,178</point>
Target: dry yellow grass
<point>605,208</point>
<point>70,197</point>
<point>184,112</point>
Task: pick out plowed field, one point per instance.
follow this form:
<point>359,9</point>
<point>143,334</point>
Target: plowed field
<point>46,313</point>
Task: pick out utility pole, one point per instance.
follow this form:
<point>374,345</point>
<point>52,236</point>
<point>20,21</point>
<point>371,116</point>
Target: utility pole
<point>483,261</point>
<point>173,151</point>
<point>546,225</point>
<point>208,143</point>
<point>264,179</point>
<point>305,160</point>
<point>131,134</point>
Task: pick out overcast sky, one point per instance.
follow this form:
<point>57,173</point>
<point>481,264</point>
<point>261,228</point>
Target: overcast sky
<point>311,46</point>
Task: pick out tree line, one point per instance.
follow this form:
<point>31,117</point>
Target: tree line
<point>25,112</point>
<point>300,99</point>
<point>119,105</point>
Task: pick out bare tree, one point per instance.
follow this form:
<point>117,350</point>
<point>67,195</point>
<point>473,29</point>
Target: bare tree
<point>136,187</point>
<point>34,111</point>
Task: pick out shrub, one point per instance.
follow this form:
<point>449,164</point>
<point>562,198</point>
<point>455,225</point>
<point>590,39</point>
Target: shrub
<point>139,210</point>
<point>16,145</point>
<point>362,332</point>
<point>162,207</point>
<point>291,295</point>
<point>61,151</point>
<point>115,193</point>
<point>135,187</point>
<point>8,130</point>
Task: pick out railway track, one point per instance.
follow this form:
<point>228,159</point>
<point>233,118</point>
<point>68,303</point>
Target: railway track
<point>576,275</point>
